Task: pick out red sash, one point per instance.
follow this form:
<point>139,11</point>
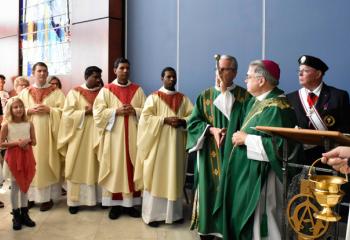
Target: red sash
<point>173,101</point>
<point>125,95</point>
<point>22,165</point>
<point>39,94</point>
<point>88,95</point>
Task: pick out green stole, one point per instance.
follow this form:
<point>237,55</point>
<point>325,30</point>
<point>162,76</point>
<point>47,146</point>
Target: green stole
<point>210,156</point>
<point>242,179</point>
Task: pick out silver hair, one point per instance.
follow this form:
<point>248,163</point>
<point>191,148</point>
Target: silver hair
<point>232,59</point>
<point>260,70</point>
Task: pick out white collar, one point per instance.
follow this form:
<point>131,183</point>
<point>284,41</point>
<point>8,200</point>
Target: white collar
<point>228,88</point>
<point>166,91</point>
<point>46,85</point>
<point>263,96</point>
<point>317,90</point>
<point>115,81</point>
<point>225,100</point>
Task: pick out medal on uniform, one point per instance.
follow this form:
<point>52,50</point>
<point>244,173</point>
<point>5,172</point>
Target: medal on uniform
<point>329,120</point>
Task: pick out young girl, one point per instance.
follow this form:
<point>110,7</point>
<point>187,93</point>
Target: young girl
<point>17,135</point>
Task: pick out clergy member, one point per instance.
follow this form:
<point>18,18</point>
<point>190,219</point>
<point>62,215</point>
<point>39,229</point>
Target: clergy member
<point>76,138</point>
<point>249,200</point>
<point>44,106</point>
<point>161,152</point>
<point>214,109</point>
<point>116,111</point>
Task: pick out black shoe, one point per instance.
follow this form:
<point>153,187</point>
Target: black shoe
<point>154,224</point>
<point>31,204</point>
<point>16,220</point>
<point>207,237</point>
<point>2,204</point>
<point>46,206</point>
<point>25,218</point>
<point>132,212</point>
<point>63,192</point>
<point>115,212</point>
<point>73,210</point>
<point>103,207</point>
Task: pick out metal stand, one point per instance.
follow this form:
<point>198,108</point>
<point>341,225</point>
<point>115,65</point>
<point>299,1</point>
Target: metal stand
<point>285,159</point>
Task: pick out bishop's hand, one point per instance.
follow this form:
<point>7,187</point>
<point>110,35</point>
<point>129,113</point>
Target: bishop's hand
<point>238,138</point>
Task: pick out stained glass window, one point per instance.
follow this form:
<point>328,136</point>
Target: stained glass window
<point>45,35</point>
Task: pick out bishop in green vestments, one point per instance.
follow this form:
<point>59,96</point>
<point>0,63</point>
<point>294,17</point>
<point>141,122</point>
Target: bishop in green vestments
<point>214,109</point>
<point>248,205</point>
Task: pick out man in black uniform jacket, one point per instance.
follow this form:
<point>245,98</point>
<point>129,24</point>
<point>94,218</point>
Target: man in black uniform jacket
<point>317,105</point>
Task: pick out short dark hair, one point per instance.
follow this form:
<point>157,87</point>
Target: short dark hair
<point>170,69</point>
<point>90,70</point>
<point>39,64</point>
<point>2,76</point>
<point>119,61</point>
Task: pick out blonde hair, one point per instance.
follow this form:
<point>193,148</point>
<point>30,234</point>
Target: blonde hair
<point>20,79</point>
<point>8,118</point>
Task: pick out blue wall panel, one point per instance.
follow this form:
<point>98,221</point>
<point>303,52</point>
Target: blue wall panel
<point>151,44</point>
<point>206,27</point>
<point>313,27</point>
<point>209,27</point>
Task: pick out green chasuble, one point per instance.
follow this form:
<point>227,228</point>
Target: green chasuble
<point>209,156</point>
<point>242,179</point>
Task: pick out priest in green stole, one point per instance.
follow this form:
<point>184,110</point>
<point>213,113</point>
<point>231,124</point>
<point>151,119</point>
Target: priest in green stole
<point>248,205</point>
<point>214,109</point>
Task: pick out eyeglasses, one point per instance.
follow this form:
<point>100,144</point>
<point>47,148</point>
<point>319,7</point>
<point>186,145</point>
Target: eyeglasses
<point>304,71</point>
<point>252,76</point>
<point>225,69</point>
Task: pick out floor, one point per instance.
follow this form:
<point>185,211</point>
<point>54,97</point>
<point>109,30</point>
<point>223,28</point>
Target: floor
<point>88,224</point>
<point>93,224</point>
